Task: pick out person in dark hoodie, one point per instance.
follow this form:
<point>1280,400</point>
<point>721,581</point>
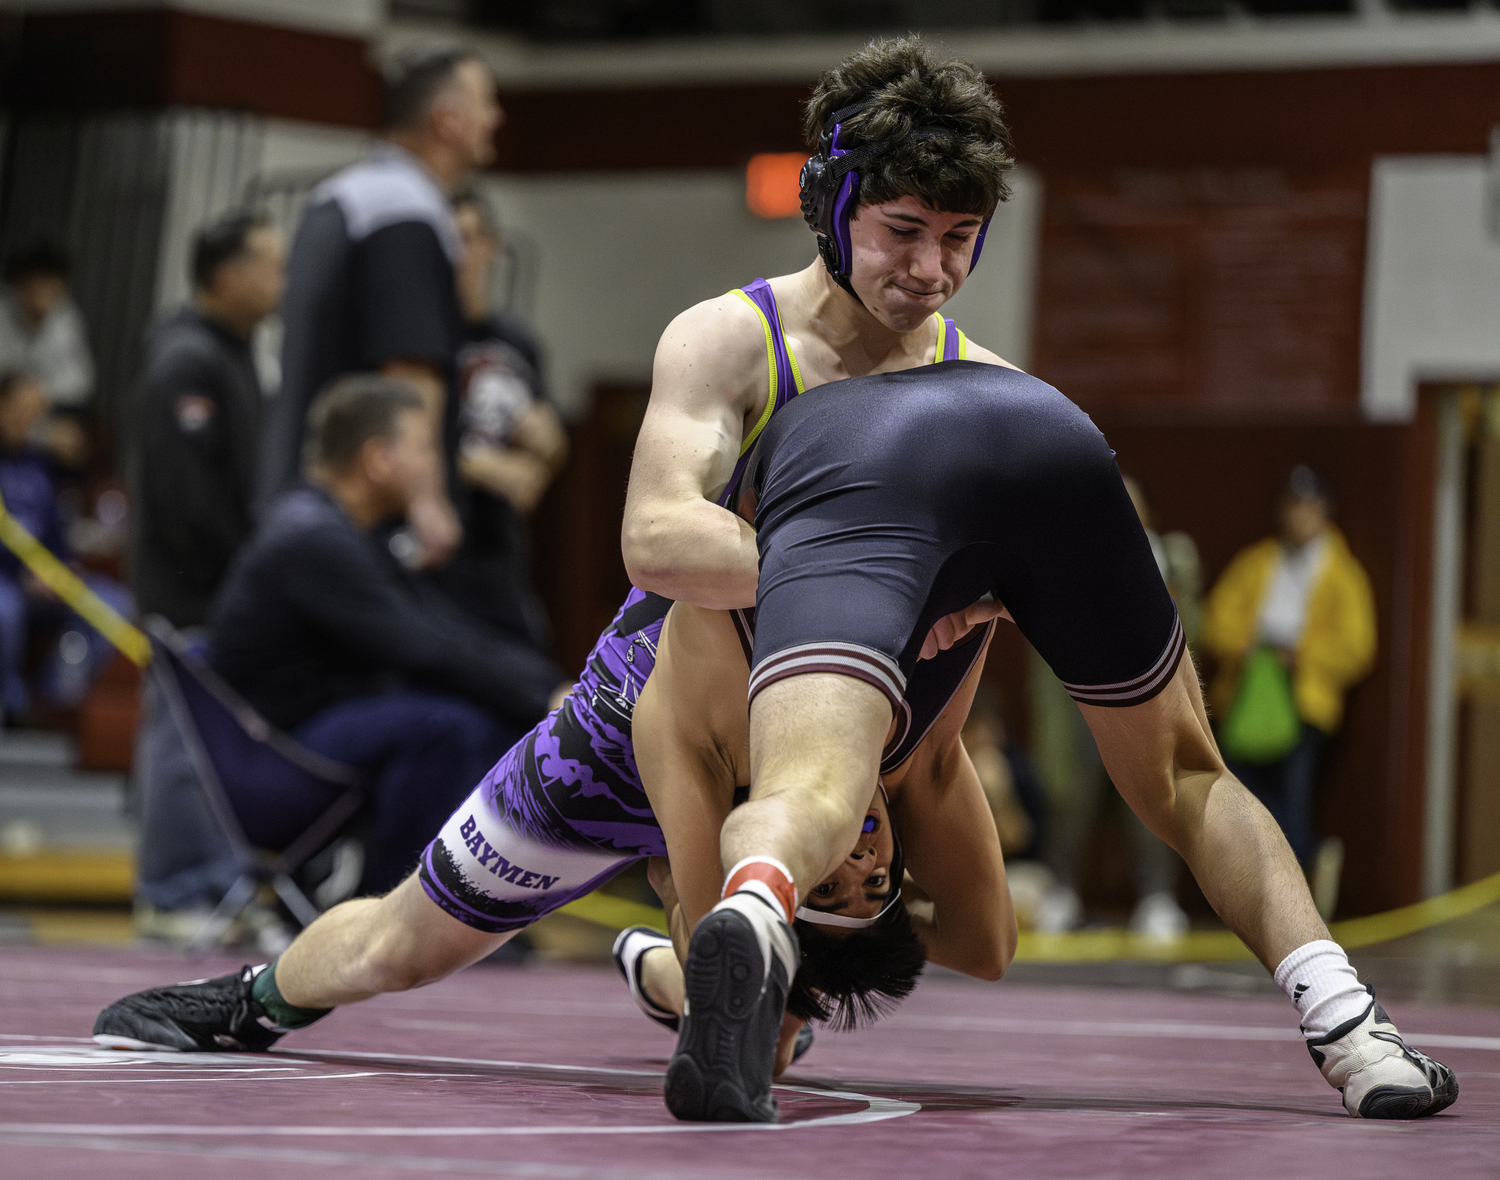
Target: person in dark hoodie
<point>199,408</point>
<point>191,464</point>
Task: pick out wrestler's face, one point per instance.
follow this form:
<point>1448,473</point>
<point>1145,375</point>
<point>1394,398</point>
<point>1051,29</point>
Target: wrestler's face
<point>909,259</point>
<point>861,885</point>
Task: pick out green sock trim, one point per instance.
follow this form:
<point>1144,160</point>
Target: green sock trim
<point>287,1016</point>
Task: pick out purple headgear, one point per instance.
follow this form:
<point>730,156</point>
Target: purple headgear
<point>830,193</point>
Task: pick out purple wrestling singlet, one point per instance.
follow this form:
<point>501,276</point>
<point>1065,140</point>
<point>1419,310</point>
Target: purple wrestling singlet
<point>564,809</point>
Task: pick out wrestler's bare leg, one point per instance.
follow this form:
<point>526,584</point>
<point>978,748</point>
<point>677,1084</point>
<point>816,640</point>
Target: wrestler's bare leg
<point>378,944</point>
<point>661,976</point>
<point>815,744</point>
<point>1162,757</point>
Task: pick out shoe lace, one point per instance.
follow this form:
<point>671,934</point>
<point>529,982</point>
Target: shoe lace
<point>1434,1071</point>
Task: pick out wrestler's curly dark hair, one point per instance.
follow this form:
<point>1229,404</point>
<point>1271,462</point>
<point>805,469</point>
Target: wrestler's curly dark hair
<point>853,981</point>
<point>905,83</point>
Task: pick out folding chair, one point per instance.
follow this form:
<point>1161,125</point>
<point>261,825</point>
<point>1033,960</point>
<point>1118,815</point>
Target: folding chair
<point>278,803</point>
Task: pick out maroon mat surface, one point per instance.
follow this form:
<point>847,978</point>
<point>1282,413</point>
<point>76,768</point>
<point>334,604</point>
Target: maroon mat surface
<point>550,1072</point>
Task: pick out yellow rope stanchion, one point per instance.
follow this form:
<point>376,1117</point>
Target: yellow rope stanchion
<point>69,587</point>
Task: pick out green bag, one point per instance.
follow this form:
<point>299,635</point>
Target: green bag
<point>1263,724</point>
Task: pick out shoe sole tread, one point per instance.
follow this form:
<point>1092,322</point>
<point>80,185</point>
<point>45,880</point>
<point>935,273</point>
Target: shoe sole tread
<point>705,1079</point>
<point>1408,1102</point>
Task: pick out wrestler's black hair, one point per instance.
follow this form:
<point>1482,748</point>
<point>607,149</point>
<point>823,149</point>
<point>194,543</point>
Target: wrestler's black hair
<point>851,981</point>
<point>894,87</point>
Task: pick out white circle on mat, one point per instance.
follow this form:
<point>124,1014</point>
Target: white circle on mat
<point>71,1058</point>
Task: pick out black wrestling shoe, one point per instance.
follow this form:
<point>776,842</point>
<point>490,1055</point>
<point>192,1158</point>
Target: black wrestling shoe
<point>206,1015</point>
<point>740,966</point>
<point>629,949</point>
<point>1378,1073</point>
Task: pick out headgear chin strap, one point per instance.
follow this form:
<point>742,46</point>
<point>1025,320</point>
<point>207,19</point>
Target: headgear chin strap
<point>823,918</point>
<point>898,873</point>
<point>830,193</point>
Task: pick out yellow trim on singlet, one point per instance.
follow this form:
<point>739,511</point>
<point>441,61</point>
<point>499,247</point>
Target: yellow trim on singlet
<point>792,356</point>
<point>765,417</point>
<point>771,366</point>
<point>963,341</point>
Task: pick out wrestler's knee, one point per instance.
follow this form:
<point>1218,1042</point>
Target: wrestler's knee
<point>1180,810</point>
<point>412,942</point>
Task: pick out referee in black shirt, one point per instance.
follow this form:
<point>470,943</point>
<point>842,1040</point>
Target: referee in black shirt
<point>371,281</point>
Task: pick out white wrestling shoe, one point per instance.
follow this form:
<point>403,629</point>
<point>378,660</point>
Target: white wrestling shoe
<point>629,949</point>
<point>1379,1074</point>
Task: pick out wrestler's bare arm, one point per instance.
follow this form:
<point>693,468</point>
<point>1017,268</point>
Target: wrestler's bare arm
<point>690,733</point>
<point>952,849</point>
<point>709,375</point>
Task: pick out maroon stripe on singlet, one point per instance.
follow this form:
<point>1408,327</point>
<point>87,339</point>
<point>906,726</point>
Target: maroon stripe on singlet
<point>1138,689</point>
<point>844,659</point>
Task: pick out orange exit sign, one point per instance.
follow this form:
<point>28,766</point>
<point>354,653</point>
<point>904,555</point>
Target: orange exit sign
<point>771,184</point>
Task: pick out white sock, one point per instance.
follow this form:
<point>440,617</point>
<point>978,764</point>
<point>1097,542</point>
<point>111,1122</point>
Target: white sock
<point>1319,980</point>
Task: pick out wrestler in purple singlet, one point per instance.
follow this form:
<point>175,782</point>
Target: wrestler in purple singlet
<point>564,809</point>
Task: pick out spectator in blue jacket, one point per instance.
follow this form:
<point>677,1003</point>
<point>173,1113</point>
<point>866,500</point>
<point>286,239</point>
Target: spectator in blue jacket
<point>26,604</point>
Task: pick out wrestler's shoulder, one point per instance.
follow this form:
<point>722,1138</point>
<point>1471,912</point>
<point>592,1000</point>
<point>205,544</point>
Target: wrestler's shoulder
<point>724,327</point>
<point>1014,373</point>
<point>978,352</point>
<point>716,350</point>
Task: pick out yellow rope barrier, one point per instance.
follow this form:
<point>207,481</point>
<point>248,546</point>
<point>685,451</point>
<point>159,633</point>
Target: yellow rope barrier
<point>1393,924</point>
<point>1206,946</point>
<point>1099,946</point>
<point>615,912</point>
<point>72,589</point>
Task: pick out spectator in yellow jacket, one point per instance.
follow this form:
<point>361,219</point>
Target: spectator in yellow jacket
<point>1304,595</point>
